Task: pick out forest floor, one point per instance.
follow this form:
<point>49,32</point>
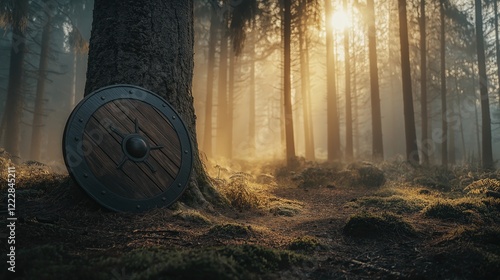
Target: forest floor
<point>317,221</point>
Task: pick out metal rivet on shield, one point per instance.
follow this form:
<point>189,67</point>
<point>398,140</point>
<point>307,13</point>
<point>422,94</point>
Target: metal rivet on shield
<point>103,192</point>
<point>173,117</point>
<point>130,92</point>
<point>103,97</point>
<point>86,175</point>
<point>186,151</point>
<point>179,185</point>
<point>138,207</point>
<point>80,120</point>
<point>164,198</point>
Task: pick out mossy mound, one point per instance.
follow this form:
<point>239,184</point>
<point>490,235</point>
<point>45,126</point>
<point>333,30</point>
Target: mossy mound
<point>231,230</point>
<point>386,225</point>
<point>306,244</point>
<point>464,210</point>
<point>394,203</point>
<point>437,178</point>
<point>488,237</point>
<point>361,174</point>
<point>231,262</point>
<point>314,177</point>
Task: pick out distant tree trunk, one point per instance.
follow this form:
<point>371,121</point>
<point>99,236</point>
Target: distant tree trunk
<point>14,101</point>
<point>74,73</point>
<point>36,135</point>
<point>459,107</point>
<point>409,116</point>
<point>290,143</point>
<point>478,141</point>
<point>125,48</point>
<point>451,142</point>
<point>423,85</point>
<point>212,42</point>
<point>487,154</point>
<point>349,153</point>
<point>355,103</point>
<point>222,137</point>
<point>304,88</point>
<point>230,107</point>
<point>444,122</point>
<point>497,45</point>
<point>333,133</point>
<point>251,105</point>
<point>377,144</point>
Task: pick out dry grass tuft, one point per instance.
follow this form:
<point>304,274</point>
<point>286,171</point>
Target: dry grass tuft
<point>193,216</point>
<point>241,194</point>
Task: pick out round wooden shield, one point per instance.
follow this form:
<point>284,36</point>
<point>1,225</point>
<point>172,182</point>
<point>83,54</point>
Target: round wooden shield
<point>128,149</point>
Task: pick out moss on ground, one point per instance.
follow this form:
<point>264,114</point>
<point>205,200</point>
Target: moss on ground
<point>229,262</point>
<point>305,244</point>
<point>394,203</point>
<point>464,210</point>
<point>231,230</point>
<point>385,225</point>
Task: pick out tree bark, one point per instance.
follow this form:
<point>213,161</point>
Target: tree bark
<point>150,44</point>
<point>444,122</point>
<point>423,83</point>
<point>230,103</point>
<point>497,45</point>
<point>251,127</point>
<point>349,153</point>
<point>377,144</point>
<point>487,154</point>
<point>409,115</point>
<point>289,138</point>
<point>222,137</point>
<point>333,133</point>
<point>304,88</point>
<point>13,112</point>
<point>212,42</point>
<point>36,135</point>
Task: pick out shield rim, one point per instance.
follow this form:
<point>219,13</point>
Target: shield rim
<point>81,172</point>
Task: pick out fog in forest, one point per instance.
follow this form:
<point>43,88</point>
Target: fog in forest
<point>243,82</point>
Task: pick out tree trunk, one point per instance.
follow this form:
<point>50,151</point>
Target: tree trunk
<point>150,44</point>
<point>230,103</point>
<point>377,144</point>
<point>444,122</point>
<point>212,42</point>
<point>36,135</point>
<point>304,89</point>
<point>251,127</point>
<point>349,153</point>
<point>221,143</point>
<point>333,130</point>
<point>290,143</point>
<point>409,116</point>
<point>423,84</point>
<point>460,119</point>
<point>487,154</point>
<point>13,111</point>
<point>497,45</point>
<point>478,141</point>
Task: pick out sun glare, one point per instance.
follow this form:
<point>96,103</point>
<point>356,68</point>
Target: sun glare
<point>341,20</point>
